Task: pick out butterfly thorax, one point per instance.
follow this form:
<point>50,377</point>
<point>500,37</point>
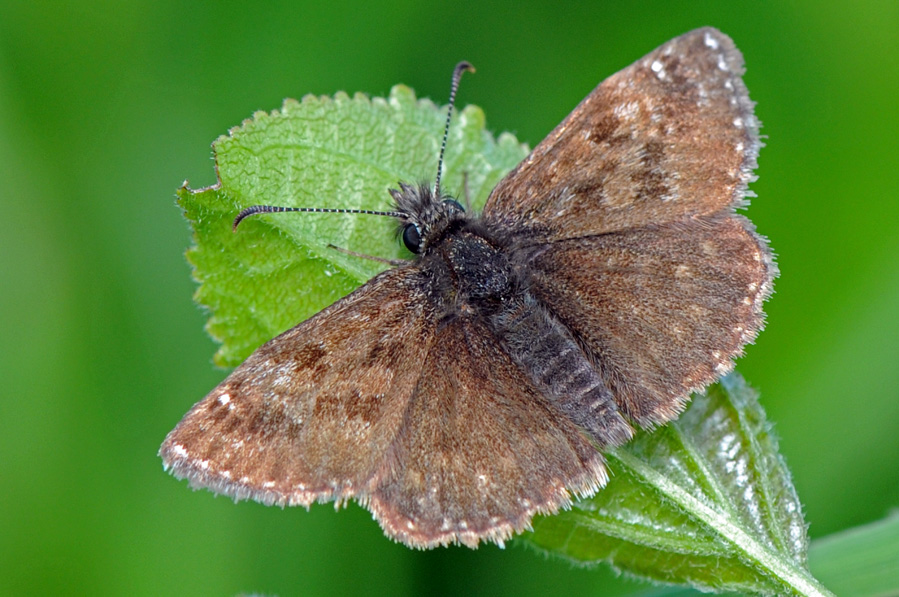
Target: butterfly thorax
<point>457,253</point>
<point>469,273</point>
<point>472,275</point>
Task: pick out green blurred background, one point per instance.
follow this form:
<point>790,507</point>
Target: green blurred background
<point>106,107</point>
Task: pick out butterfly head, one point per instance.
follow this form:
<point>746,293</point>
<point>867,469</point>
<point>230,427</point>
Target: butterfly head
<point>423,214</point>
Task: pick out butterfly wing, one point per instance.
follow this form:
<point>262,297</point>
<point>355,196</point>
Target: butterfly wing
<point>480,450</point>
<point>662,310</point>
<point>671,136</point>
<point>311,414</point>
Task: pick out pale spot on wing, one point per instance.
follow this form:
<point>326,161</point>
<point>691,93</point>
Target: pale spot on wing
<point>627,111</point>
<point>674,195</point>
<point>738,122</point>
<point>703,95</point>
<point>179,450</point>
<point>710,41</point>
<point>224,399</point>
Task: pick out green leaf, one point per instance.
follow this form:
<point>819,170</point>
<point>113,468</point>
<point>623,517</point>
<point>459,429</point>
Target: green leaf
<point>860,561</point>
<point>705,501</point>
<point>338,152</point>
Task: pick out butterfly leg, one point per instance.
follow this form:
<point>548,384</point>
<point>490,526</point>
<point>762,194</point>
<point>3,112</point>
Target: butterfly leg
<point>465,193</point>
<point>369,257</point>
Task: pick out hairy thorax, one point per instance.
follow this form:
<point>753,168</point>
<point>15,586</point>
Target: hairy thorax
<point>470,273</point>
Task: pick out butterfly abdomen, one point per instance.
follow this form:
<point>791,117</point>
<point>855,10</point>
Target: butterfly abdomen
<point>558,367</point>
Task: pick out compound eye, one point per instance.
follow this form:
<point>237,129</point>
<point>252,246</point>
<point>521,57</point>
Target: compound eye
<point>412,238</point>
<point>454,204</point>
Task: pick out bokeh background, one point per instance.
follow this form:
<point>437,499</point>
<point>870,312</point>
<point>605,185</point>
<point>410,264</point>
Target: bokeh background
<point>106,107</point>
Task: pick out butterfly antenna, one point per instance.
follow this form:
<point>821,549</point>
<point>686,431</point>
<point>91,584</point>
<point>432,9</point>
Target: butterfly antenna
<point>268,209</point>
<point>457,75</point>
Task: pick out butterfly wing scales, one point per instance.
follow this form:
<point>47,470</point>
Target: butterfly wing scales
<point>310,415</point>
<point>671,136</point>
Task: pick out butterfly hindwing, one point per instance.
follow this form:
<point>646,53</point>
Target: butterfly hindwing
<point>663,310</point>
<point>480,450</point>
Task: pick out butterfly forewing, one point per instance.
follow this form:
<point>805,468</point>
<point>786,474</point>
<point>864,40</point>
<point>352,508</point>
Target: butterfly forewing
<point>310,415</point>
<point>671,136</point>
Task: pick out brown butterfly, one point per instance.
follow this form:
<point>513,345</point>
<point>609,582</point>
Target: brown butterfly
<point>458,394</point>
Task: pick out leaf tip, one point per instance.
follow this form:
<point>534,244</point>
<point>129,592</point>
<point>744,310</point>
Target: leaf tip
<point>473,115</point>
<point>402,94</point>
